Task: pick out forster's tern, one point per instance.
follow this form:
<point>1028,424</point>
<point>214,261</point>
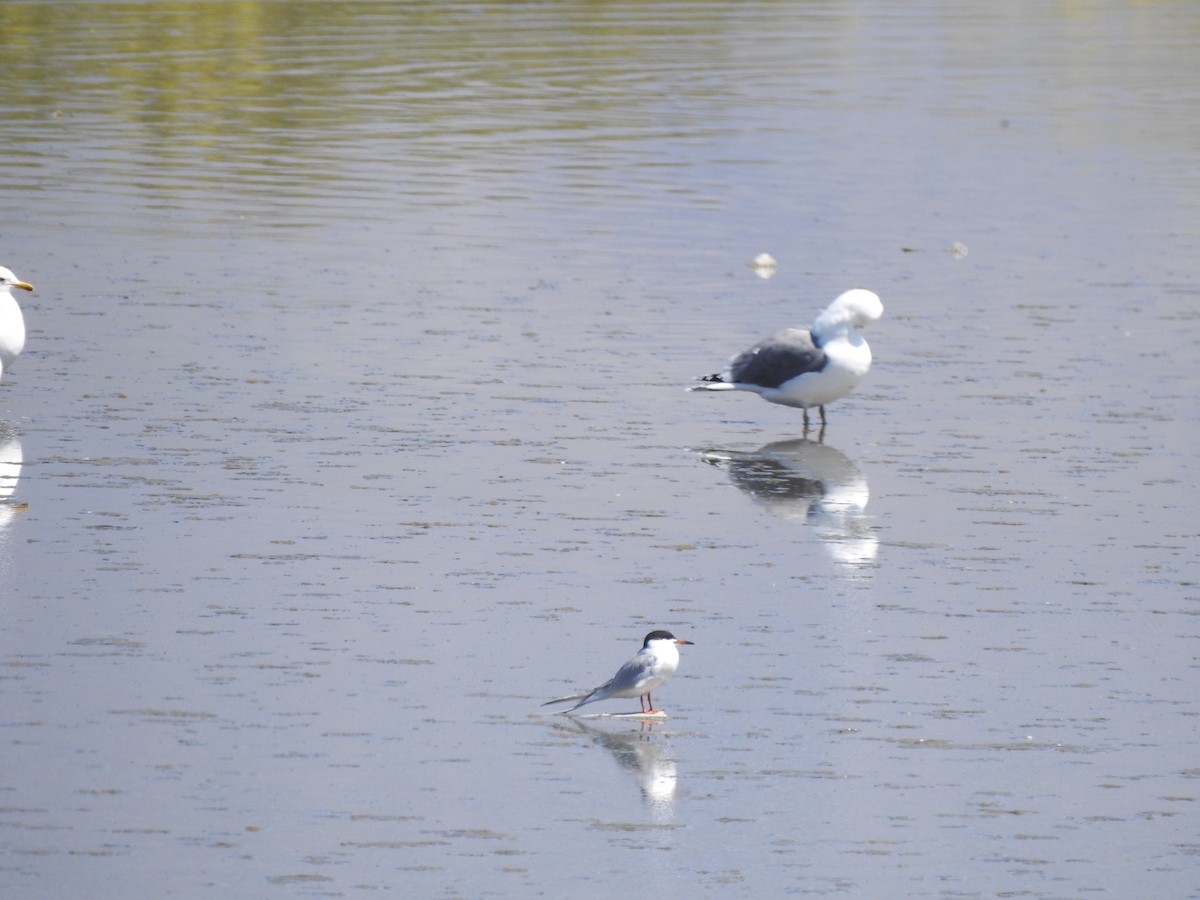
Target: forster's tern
<point>647,671</point>
<point>806,367</point>
<point>12,324</point>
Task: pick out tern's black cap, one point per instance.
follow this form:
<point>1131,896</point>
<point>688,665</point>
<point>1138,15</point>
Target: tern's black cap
<point>662,636</point>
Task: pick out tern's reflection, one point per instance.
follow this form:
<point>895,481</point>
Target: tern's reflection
<point>642,753</point>
<point>811,482</point>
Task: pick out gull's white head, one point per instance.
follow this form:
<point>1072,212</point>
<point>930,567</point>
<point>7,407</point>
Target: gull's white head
<point>853,309</point>
<point>9,280</point>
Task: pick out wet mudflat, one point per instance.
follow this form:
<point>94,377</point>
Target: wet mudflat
<point>352,426</point>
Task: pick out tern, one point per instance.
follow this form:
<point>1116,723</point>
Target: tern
<point>12,323</point>
<point>647,671</point>
<point>806,367</point>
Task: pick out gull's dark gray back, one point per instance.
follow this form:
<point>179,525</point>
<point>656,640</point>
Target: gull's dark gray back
<point>779,358</point>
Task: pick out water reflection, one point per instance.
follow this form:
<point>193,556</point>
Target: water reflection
<point>643,754</point>
<point>808,481</point>
<point>10,472</point>
<point>764,266</point>
<point>10,464</point>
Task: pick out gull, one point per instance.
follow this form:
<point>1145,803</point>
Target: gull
<point>648,670</point>
<point>12,323</point>
<point>806,367</point>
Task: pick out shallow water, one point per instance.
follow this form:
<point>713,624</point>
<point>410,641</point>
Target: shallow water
<point>351,427</point>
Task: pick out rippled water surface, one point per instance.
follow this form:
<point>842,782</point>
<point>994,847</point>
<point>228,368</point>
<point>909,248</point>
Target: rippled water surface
<point>351,426</point>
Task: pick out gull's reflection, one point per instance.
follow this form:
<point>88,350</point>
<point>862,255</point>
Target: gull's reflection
<point>641,753</point>
<point>10,472</point>
<point>811,482</point>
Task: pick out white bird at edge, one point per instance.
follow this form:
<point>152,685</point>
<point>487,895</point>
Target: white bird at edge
<point>806,367</point>
<point>647,671</point>
<point>12,323</point>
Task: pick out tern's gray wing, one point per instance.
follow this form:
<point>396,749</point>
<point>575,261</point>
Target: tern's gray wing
<point>601,693</point>
<point>779,358</point>
<point>566,699</point>
<point>628,676</point>
<point>627,679</point>
<point>604,690</point>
